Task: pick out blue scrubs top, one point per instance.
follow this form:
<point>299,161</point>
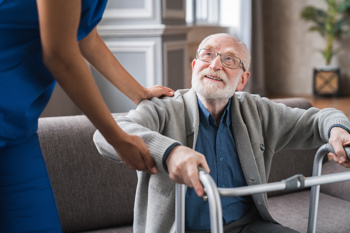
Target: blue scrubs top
<point>25,83</point>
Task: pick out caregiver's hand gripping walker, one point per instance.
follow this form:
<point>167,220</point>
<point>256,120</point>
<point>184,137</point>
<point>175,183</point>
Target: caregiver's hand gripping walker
<point>295,182</point>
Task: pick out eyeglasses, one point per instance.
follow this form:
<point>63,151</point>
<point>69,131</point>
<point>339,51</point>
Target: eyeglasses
<point>227,60</point>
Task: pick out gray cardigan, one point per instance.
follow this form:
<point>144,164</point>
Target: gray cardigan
<point>260,128</point>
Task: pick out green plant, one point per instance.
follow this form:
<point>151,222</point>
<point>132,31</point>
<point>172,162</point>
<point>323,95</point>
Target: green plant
<point>331,24</point>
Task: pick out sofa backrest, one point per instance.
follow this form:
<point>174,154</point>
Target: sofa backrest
<point>91,191</point>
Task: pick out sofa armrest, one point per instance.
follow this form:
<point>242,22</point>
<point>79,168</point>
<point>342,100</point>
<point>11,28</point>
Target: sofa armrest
<point>91,192</point>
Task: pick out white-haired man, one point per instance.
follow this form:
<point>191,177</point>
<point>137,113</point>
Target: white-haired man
<point>222,130</point>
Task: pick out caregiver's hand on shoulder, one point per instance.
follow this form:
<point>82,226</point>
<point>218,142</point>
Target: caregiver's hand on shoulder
<point>158,91</point>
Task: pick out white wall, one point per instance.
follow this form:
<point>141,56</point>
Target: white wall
<point>291,51</point>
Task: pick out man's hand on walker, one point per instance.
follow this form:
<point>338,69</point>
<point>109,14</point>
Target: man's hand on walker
<point>338,139</point>
<point>182,163</point>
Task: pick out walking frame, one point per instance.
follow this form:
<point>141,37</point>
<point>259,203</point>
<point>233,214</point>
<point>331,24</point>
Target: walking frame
<point>293,183</point>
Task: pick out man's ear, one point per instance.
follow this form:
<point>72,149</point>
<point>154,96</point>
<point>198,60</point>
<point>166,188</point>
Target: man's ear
<point>193,63</point>
<point>243,80</point>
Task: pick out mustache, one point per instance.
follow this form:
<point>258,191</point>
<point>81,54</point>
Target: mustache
<point>209,72</point>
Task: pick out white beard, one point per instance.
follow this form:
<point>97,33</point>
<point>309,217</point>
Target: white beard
<point>212,91</point>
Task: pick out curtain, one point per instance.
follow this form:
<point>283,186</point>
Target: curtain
<point>245,22</point>
<point>251,33</point>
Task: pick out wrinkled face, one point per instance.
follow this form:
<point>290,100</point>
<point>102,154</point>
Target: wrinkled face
<point>213,80</point>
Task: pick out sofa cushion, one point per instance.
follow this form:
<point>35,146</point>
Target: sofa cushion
<point>292,210</point>
<point>288,163</point>
<point>89,189</point>
<point>341,189</point>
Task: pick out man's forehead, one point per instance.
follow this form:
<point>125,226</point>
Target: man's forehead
<point>225,44</point>
<point>222,48</point>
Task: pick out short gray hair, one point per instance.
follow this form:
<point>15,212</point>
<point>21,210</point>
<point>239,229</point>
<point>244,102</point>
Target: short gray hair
<point>241,45</point>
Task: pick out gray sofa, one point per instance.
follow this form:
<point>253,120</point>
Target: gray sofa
<point>94,194</point>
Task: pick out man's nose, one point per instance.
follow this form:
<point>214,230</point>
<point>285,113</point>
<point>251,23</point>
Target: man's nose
<point>216,63</point>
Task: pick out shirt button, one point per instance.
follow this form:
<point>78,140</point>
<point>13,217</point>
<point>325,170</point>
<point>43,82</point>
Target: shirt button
<point>262,147</point>
<point>219,132</point>
<point>221,159</point>
<point>223,186</point>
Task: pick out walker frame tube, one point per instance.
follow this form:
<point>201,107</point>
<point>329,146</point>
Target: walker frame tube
<point>315,190</point>
<point>180,192</point>
<point>296,182</point>
<point>216,224</point>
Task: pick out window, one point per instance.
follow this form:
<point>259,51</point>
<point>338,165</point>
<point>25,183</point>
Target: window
<point>213,12</point>
<point>235,15</point>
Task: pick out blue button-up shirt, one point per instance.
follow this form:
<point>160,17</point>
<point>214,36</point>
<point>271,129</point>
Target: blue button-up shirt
<point>218,146</point>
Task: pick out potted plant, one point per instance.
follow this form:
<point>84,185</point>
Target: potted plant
<point>332,24</point>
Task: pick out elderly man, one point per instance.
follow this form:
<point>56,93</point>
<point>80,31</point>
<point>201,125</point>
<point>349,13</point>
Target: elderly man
<point>231,134</point>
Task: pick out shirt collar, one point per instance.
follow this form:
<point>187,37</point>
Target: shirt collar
<point>206,118</point>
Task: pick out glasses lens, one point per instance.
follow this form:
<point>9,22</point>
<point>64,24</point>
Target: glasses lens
<point>206,55</point>
<point>227,60</point>
<point>230,61</point>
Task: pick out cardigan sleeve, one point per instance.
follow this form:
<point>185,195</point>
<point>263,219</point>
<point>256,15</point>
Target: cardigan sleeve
<point>151,122</point>
<point>296,128</point>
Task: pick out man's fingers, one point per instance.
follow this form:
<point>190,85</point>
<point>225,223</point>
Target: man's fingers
<point>339,151</point>
<point>345,164</point>
<point>334,157</point>
<point>204,165</point>
<point>197,185</point>
<point>199,189</point>
<point>183,165</point>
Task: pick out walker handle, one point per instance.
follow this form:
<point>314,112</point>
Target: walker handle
<point>346,148</point>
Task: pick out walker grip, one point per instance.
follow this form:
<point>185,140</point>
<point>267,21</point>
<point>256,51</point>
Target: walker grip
<point>329,148</point>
